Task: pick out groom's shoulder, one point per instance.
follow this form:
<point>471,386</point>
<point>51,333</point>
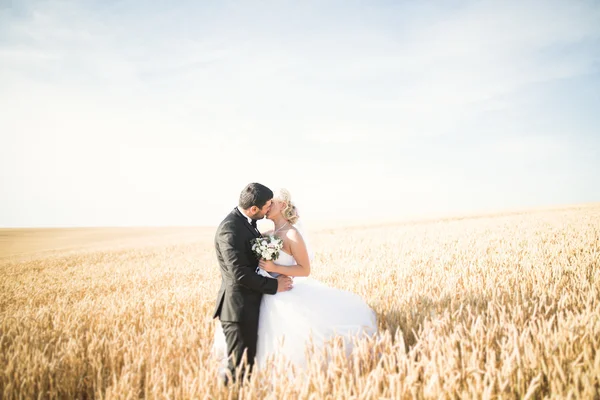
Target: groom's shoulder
<point>228,223</point>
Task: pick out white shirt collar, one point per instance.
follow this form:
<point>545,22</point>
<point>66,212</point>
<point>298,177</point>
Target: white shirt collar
<point>244,214</point>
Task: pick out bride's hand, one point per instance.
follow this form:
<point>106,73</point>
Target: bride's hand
<point>268,266</point>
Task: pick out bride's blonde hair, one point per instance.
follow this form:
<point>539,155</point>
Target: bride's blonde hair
<point>289,212</point>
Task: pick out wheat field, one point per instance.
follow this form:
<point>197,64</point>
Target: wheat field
<point>490,306</point>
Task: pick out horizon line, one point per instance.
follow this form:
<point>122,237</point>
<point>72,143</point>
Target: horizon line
<point>442,216</point>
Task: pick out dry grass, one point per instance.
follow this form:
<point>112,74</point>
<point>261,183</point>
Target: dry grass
<point>496,306</point>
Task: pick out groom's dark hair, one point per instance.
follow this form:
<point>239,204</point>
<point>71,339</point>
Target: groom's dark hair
<point>255,194</point>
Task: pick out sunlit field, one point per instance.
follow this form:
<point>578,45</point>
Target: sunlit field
<point>504,305</point>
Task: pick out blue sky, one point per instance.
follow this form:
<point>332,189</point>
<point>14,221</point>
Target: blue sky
<point>151,113</point>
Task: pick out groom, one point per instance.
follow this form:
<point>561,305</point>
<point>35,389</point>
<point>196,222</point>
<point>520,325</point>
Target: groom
<point>238,301</point>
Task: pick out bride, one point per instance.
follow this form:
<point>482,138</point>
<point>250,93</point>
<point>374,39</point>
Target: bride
<point>311,312</point>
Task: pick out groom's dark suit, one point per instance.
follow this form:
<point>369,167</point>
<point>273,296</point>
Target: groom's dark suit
<point>238,301</point>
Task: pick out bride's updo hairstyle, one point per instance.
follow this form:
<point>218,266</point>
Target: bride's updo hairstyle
<point>289,212</point>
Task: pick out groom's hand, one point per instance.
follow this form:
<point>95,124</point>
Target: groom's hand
<point>284,283</point>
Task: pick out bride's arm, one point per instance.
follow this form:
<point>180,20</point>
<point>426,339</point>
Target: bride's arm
<point>300,254</point>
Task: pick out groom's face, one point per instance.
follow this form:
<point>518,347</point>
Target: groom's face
<point>259,213</point>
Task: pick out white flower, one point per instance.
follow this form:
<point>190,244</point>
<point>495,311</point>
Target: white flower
<point>267,247</point>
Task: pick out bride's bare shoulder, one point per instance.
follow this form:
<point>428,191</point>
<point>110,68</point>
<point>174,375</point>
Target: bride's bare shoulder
<point>293,233</point>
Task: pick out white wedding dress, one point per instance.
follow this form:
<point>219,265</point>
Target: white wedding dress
<point>311,311</point>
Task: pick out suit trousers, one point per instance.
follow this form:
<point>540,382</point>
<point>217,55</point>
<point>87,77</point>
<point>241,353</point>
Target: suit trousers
<point>241,338</point>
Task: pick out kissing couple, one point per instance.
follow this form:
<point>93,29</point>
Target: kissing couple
<point>269,308</point>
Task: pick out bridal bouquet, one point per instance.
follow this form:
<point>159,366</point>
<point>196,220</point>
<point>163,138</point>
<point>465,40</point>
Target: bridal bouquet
<point>267,247</point>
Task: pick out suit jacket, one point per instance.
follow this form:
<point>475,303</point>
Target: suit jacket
<point>241,287</point>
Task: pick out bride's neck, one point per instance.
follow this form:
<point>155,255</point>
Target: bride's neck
<point>279,222</point>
